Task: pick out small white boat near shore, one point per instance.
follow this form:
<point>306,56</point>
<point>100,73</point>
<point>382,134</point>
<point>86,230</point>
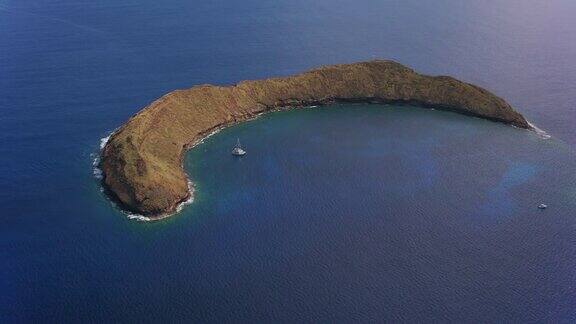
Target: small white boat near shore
<point>238,150</point>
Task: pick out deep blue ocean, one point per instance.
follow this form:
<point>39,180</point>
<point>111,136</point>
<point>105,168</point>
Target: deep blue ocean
<point>347,213</point>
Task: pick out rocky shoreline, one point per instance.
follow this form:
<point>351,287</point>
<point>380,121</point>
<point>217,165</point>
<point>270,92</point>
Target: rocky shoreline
<point>142,162</point>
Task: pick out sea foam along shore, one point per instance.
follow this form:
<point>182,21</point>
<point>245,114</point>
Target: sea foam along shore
<point>542,133</point>
<point>96,158</point>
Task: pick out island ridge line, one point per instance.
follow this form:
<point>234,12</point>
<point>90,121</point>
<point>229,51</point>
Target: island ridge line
<point>142,161</point>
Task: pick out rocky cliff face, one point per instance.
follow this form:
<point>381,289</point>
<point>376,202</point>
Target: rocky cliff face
<point>142,161</point>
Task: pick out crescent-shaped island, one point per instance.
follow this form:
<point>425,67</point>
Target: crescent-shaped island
<point>142,161</point>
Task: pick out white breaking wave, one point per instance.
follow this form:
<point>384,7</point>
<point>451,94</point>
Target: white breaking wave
<point>200,141</point>
<point>96,171</point>
<point>96,158</point>
<point>142,218</point>
<point>139,218</point>
<point>189,200</point>
<point>105,140</point>
<point>217,130</point>
<point>542,133</point>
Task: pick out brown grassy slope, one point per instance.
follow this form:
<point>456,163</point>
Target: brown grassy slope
<point>142,162</point>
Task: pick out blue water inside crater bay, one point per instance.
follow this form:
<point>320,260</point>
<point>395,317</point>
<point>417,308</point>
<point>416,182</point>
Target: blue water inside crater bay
<point>343,213</point>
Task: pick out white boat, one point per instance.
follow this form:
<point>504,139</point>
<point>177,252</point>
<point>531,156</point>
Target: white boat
<point>238,150</point>
<point>542,206</point>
